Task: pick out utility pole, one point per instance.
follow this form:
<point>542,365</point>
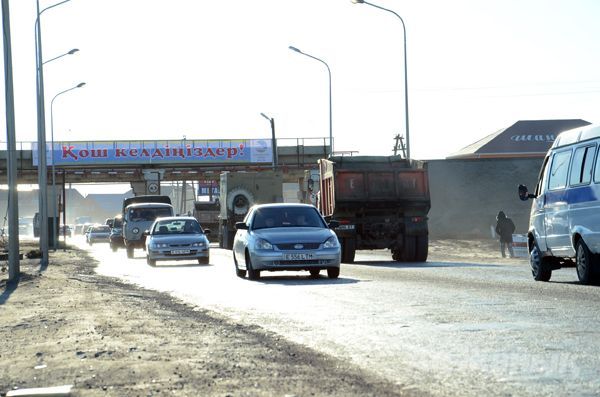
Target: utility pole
<point>13,202</point>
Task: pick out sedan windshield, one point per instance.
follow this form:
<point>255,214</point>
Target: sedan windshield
<point>286,217</point>
<point>177,226</point>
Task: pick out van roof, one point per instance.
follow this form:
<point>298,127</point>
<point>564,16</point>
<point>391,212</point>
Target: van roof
<point>576,135</point>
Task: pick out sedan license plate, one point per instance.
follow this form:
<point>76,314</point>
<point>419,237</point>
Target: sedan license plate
<point>297,257</point>
<point>180,252</point>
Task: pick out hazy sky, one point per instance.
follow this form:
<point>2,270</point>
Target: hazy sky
<point>207,69</point>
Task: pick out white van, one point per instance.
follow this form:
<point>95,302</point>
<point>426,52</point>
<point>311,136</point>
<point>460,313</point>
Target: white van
<point>564,226</point>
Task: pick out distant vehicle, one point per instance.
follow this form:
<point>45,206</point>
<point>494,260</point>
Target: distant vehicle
<point>26,226</point>
<point>176,238</point>
<point>207,214</point>
<point>380,202</point>
<point>97,234</point>
<point>285,237</point>
<point>64,230</point>
<point>138,215</point>
<point>564,226</point>
<point>83,219</point>
<point>116,234</point>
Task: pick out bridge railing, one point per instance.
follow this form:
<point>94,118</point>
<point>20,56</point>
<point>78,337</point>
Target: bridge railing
<point>281,142</point>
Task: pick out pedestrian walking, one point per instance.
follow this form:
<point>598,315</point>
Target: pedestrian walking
<point>505,229</point>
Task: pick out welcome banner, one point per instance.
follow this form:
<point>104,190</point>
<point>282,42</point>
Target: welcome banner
<point>253,151</point>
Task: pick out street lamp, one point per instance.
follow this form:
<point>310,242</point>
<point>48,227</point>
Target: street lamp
<point>405,69</point>
<point>41,144</point>
<point>73,51</point>
<point>329,73</point>
<point>55,217</point>
<point>273,141</point>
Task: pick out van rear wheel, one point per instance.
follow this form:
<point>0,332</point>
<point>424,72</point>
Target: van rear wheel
<point>586,264</point>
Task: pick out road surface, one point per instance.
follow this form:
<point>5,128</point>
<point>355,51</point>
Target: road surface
<point>445,327</point>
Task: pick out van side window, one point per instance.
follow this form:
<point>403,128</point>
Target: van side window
<point>559,170</point>
<point>581,170</point>
<point>543,177</point>
<point>597,171</point>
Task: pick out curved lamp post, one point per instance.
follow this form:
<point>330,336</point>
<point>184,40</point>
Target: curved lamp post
<point>405,69</point>
<point>73,51</point>
<point>273,141</point>
<point>41,144</point>
<point>329,73</point>
<point>55,217</point>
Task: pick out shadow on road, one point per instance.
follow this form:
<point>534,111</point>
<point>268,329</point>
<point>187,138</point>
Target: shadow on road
<point>419,265</point>
<point>178,265</point>
<point>9,288</point>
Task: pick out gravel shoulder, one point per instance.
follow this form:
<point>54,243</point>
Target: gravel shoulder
<point>67,325</point>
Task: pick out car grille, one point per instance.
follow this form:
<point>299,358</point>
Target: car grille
<point>305,246</point>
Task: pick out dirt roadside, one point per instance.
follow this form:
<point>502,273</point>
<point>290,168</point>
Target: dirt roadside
<point>69,326</point>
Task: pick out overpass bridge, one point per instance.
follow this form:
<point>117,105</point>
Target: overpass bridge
<point>153,161</point>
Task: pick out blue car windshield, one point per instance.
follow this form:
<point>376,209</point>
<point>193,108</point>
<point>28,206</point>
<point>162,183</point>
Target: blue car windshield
<point>272,217</point>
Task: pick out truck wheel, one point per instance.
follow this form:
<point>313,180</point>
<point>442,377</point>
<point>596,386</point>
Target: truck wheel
<point>410,248</point>
<point>586,264</point>
<point>422,248</point>
<point>540,266</point>
<point>130,252</point>
<point>396,254</point>
<point>114,248</point>
<point>348,250</point>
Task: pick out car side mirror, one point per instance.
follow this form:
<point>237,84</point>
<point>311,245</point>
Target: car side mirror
<point>333,224</point>
<point>241,226</point>
<point>524,194</point>
<point>146,233</point>
<point>206,231</point>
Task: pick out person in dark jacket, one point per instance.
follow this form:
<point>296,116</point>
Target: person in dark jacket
<point>505,229</point>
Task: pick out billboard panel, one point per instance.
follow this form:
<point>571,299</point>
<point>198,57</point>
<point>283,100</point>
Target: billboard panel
<point>253,151</point>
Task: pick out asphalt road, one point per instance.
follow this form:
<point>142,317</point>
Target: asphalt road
<point>447,328</point>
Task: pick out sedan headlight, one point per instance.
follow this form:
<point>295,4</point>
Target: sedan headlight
<point>332,242</point>
<point>198,244</point>
<point>262,244</point>
<point>159,245</point>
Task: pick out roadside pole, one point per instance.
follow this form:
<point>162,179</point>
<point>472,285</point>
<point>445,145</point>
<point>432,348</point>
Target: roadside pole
<point>13,204</point>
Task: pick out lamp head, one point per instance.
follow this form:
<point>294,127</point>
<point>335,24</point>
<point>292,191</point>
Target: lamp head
<point>358,1</point>
<point>294,49</point>
<point>73,51</point>
<point>265,116</point>
<point>80,85</point>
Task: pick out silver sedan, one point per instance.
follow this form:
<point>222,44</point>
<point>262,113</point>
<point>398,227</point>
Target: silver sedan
<point>285,237</point>
<point>176,238</point>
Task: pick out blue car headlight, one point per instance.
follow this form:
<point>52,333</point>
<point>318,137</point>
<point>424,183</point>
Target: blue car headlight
<point>332,242</point>
<point>262,244</point>
<point>159,245</point>
<point>199,244</point>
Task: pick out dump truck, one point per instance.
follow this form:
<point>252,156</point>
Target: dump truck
<point>239,192</point>
<point>381,202</point>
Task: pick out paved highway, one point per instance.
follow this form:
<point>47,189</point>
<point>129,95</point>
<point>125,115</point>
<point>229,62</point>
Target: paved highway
<point>444,327</point>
